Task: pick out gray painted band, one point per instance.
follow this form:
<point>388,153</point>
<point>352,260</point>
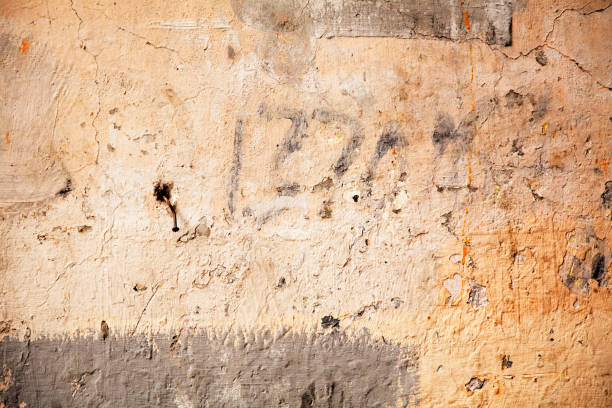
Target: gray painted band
<point>209,370</point>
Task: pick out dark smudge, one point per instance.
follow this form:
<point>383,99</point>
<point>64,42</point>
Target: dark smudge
<point>506,362</point>
<point>67,188</point>
<point>444,131</point>
<point>540,107</point>
<point>575,273</point>
<point>541,58</point>
<point>329,321</point>
<point>490,36</point>
<point>475,384</point>
<point>325,211</point>
<point>390,138</point>
<point>299,124</point>
<point>357,136</point>
<point>308,397</point>
<point>290,189</point>
<point>598,268</point>
<point>606,196</point>
<point>513,98</point>
<point>294,139</point>
<point>325,184</point>
<point>296,134</point>
<point>236,166</point>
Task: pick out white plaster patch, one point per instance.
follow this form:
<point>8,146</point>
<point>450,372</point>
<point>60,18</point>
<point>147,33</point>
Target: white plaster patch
<point>453,285</point>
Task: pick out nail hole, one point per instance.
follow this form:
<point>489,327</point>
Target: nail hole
<point>162,194</point>
<point>162,191</point>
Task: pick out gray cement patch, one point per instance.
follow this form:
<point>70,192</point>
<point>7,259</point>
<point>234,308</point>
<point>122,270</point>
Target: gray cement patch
<point>488,20</point>
<point>209,370</point>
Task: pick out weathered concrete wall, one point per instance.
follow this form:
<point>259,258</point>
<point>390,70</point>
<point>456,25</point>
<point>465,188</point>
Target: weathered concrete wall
<point>378,203</point>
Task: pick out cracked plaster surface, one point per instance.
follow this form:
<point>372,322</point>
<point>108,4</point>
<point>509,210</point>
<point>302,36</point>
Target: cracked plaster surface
<point>123,96</point>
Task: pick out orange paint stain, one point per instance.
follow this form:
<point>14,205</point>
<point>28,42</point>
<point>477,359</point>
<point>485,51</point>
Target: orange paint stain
<point>6,136</point>
<point>479,162</point>
<point>25,44</point>
<point>472,68</point>
<point>466,19</point>
<point>470,153</point>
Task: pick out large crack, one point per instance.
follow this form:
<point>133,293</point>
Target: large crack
<point>155,289</point>
<point>545,43</point>
<point>580,67</point>
<point>151,44</point>
<point>555,20</point>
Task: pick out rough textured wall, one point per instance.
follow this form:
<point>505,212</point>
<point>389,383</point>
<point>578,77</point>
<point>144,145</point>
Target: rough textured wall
<point>377,203</point>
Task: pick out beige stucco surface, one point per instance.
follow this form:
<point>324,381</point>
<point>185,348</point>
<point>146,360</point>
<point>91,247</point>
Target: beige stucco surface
<point>455,246</point>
